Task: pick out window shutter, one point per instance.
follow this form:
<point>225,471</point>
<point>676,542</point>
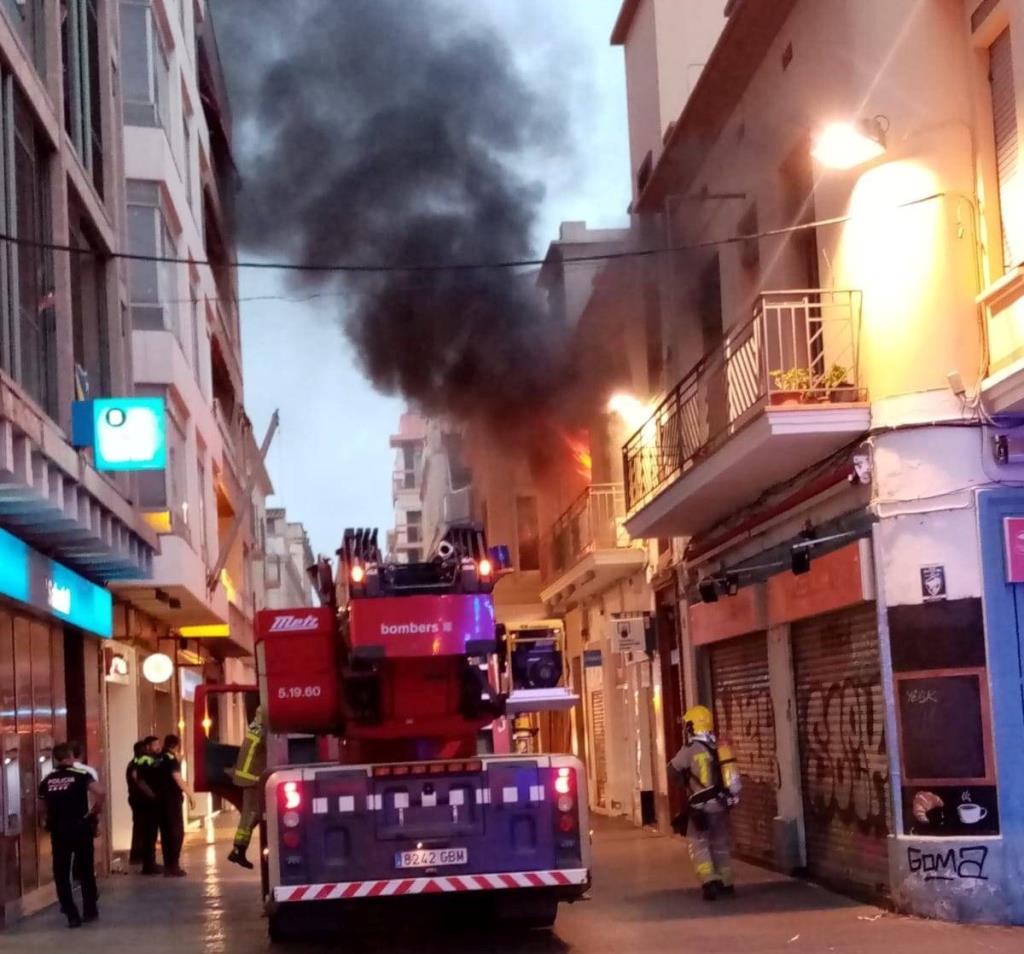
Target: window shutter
<point>1004,115</point>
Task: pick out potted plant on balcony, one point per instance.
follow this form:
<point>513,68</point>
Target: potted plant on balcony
<point>837,386</point>
<point>790,387</point>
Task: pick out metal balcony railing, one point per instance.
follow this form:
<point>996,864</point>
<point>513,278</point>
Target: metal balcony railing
<point>800,348</point>
<point>593,522</point>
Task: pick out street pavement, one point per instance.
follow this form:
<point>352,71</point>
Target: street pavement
<point>644,900</point>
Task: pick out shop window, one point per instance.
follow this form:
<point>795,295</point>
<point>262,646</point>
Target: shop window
<point>153,284</point>
<point>528,533</point>
<point>83,109</point>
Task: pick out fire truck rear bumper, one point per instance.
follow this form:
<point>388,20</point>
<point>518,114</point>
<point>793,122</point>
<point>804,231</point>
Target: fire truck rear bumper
<point>570,883</point>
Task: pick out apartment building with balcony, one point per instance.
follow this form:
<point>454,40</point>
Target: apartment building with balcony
<point>833,449</point>
<point>406,541</point>
<point>288,556</point>
<point>68,532</point>
<point>180,185</point>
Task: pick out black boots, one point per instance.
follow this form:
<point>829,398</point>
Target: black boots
<point>714,890</point>
<point>237,857</point>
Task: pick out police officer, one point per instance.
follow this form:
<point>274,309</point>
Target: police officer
<point>708,771</point>
<point>144,780</point>
<point>172,792</point>
<point>71,820</point>
<point>136,799</point>
<point>249,767</point>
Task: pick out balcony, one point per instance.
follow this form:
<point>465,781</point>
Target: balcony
<point>176,593</point>
<point>780,393</point>
<point>405,481</point>
<point>588,550</point>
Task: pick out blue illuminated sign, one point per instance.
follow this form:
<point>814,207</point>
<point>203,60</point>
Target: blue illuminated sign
<point>124,433</point>
<point>48,586</point>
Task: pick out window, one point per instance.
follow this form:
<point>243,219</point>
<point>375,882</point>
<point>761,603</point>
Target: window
<point>83,110</point>
<point>1004,125</point>
<point>153,285</point>
<point>527,533</point>
<point>414,526</point>
<point>204,544</point>
<point>29,19</point>
<point>29,320</point>
<point>166,489</point>
<point>186,146</point>
<point>415,555</point>
<point>90,328</point>
<point>145,66</point>
<point>196,318</point>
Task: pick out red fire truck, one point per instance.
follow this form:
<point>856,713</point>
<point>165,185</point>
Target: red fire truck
<point>401,677</point>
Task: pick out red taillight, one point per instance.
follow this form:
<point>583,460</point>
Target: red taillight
<point>566,823</point>
<point>291,839</point>
<point>292,795</point>
<point>564,781</point>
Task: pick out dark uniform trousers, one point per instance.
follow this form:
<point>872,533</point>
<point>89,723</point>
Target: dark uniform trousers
<point>172,833</point>
<point>148,816</point>
<point>73,854</point>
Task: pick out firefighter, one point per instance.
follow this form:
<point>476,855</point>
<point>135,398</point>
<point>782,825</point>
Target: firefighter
<point>71,820</point>
<point>249,768</point>
<point>708,771</point>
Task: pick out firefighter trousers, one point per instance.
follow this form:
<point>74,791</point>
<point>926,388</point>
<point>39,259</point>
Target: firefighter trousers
<point>249,817</point>
<point>709,838</point>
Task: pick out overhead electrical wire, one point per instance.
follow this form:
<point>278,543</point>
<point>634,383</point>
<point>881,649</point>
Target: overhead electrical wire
<point>437,267</point>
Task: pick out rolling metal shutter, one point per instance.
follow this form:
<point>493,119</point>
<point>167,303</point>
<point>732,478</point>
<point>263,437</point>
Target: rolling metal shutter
<point>1004,121</point>
<point>744,717</point>
<point>844,768</point>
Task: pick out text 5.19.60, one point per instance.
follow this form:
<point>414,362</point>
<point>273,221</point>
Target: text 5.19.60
<point>298,692</point>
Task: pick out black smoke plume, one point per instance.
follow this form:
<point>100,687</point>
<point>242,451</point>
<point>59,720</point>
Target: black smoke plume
<point>394,132</point>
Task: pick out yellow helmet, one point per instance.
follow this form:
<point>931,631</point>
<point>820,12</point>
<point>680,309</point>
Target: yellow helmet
<point>698,720</point>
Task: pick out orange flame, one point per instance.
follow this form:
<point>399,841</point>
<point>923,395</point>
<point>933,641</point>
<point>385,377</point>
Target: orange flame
<point>579,447</point>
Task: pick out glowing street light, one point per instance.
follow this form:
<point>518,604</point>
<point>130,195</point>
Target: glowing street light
<point>843,145</point>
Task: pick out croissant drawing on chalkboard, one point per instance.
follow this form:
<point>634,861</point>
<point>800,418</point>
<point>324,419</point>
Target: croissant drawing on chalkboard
<point>925,802</point>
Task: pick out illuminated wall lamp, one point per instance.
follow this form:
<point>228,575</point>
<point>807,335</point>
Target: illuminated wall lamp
<point>844,145</point>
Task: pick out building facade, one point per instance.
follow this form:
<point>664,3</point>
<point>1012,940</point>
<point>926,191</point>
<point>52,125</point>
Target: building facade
<point>68,531</point>
<point>288,557</point>
<point>833,451</point>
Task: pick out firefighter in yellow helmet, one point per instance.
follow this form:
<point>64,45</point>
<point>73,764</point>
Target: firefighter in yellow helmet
<point>707,769</point>
<point>247,773</point>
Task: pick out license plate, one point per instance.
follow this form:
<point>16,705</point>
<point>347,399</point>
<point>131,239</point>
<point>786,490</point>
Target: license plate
<point>432,858</point>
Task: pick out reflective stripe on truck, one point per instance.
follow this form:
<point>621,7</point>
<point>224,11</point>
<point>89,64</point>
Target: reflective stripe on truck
<point>396,887</point>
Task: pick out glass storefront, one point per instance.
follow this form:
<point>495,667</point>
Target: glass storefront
<point>33,716</point>
<point>50,692</point>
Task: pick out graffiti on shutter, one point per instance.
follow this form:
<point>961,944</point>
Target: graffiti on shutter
<point>843,763</point>
<point>745,718</point>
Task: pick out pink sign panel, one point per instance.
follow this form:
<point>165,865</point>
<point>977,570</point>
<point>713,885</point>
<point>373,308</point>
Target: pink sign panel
<point>422,625</point>
<point>1013,534</point>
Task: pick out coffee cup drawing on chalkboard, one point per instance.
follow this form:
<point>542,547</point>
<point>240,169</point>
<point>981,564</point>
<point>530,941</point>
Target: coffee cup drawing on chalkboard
<point>971,813</point>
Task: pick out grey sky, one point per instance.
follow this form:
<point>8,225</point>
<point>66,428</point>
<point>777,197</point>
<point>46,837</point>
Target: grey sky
<point>331,464</point>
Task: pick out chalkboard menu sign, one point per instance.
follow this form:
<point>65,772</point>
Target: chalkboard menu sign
<point>942,729</point>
